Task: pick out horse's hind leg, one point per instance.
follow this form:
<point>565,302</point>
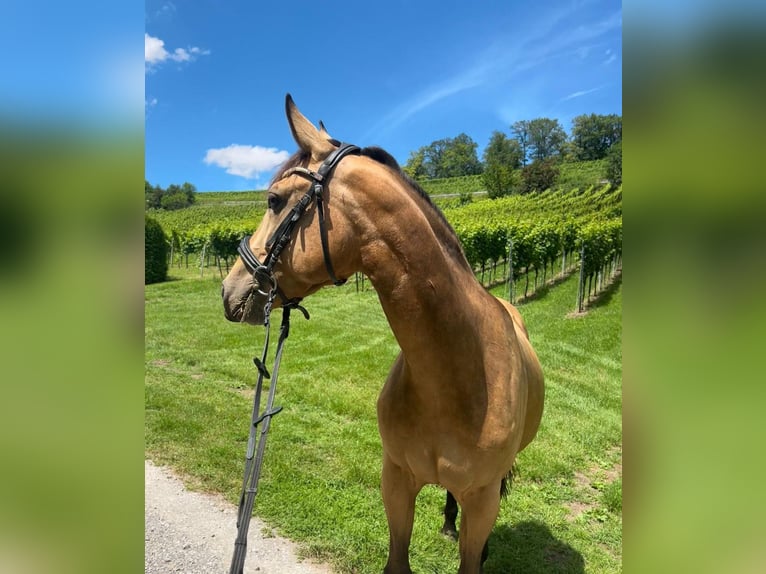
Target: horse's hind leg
<point>480,508</point>
<point>450,515</point>
<point>399,492</point>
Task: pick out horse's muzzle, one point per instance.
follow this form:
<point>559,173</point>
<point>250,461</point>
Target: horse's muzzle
<point>243,307</point>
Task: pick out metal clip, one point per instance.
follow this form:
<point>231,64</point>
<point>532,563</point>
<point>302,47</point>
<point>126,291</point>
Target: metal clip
<point>264,276</point>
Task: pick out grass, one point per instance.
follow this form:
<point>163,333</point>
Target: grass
<point>321,476</point>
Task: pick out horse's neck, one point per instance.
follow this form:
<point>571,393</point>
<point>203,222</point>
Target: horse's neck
<point>429,294</point>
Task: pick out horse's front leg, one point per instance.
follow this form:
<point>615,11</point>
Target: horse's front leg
<point>399,490</point>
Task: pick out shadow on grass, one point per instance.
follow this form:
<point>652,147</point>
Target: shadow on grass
<point>603,297</point>
<point>529,547</point>
<point>544,289</point>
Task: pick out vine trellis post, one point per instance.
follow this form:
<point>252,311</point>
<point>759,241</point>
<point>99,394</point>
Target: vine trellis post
<point>202,260</point>
<point>581,284</point>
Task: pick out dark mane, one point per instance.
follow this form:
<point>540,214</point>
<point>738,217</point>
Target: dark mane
<point>301,159</point>
<point>382,156</point>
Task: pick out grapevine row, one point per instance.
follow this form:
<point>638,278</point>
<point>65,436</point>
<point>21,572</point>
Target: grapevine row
<point>541,230</point>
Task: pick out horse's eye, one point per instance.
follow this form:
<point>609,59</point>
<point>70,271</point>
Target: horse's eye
<point>275,202</point>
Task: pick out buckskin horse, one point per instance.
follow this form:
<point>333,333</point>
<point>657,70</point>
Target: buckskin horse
<point>465,395</point>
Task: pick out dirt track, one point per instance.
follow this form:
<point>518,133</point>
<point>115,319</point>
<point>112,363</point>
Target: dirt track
<point>194,533</point>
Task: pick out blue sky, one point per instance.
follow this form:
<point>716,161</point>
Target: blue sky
<point>398,74</point>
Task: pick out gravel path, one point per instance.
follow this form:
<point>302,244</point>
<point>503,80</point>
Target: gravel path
<point>194,533</point>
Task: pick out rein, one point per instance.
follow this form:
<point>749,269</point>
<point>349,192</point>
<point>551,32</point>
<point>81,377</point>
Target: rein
<point>256,443</point>
<point>267,285</point>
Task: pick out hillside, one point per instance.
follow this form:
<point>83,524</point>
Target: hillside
<point>578,174</point>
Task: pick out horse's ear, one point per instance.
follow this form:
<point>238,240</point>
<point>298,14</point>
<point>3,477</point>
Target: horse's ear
<point>323,132</point>
<point>308,138</point>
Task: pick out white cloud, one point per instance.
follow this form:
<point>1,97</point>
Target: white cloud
<point>246,160</point>
<point>180,55</point>
<point>148,105</point>
<point>610,57</point>
<point>155,52</point>
<point>580,93</point>
<point>166,10</point>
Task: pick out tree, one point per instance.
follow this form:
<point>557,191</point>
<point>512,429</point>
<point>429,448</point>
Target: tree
<point>459,157</point>
<point>540,175</point>
<point>520,131</point>
<point>448,157</point>
<point>546,138</point>
<point>568,152</point>
<point>593,135</point>
<point>190,191</point>
<point>174,197</point>
<point>153,195</point>
<point>174,200</point>
<point>502,150</point>
<point>614,164</point>
<point>415,166</point>
<point>432,158</point>
<point>502,157</point>
<point>500,180</point>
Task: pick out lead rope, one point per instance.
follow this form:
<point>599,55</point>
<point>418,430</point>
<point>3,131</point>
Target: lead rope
<point>253,459</point>
<point>262,273</point>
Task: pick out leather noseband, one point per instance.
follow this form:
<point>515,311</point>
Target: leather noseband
<point>263,272</point>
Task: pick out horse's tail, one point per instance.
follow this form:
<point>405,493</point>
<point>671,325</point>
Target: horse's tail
<point>506,483</point>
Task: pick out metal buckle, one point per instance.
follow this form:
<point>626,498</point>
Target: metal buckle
<point>264,276</point>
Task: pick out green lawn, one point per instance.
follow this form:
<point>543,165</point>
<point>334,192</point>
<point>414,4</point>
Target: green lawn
<point>320,483</point>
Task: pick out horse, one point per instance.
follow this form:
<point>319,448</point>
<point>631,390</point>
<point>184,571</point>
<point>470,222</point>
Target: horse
<point>465,394</point>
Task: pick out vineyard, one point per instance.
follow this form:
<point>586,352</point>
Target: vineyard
<point>211,229</point>
<point>581,174</point>
<point>572,175</point>
<point>515,240</point>
<point>453,185</point>
<point>538,234</point>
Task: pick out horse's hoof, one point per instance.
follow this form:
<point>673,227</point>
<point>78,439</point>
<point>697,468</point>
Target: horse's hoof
<point>450,533</point>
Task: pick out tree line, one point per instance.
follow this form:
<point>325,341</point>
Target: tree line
<point>527,159</point>
<point>174,197</point>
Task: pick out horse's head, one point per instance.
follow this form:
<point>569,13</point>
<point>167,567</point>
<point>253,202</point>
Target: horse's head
<point>305,238</point>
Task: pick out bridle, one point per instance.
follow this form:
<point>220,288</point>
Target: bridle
<point>263,276</point>
<point>263,273</point>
